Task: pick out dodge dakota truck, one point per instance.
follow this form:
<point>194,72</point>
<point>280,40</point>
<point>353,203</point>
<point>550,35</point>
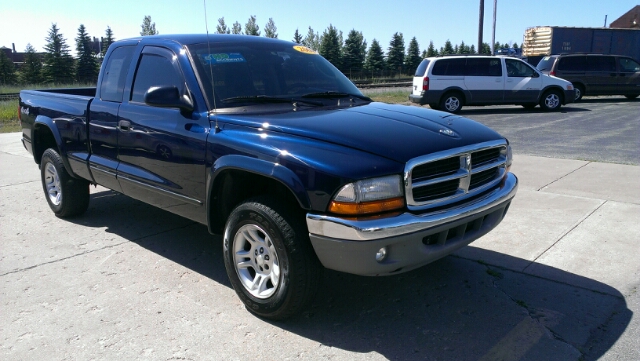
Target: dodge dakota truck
<point>269,145</point>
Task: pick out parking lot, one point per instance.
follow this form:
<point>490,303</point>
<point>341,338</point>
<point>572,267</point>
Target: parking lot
<point>557,280</point>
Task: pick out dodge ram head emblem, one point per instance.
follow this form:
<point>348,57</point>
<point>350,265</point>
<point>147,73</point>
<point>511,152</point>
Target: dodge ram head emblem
<point>448,132</point>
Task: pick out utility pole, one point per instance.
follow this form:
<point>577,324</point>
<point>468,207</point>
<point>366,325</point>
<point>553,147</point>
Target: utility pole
<point>480,26</point>
<point>493,37</point>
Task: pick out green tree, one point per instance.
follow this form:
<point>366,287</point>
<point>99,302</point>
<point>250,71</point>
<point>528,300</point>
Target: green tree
<point>515,45</point>
<point>413,55</point>
<point>87,68</point>
<point>395,55</point>
<point>330,47</point>
<point>497,46</point>
<point>472,49</point>
<point>486,49</point>
<point>354,51</point>
<point>222,28</point>
<point>236,28</point>
<point>312,40</point>
<point>32,68</point>
<point>251,27</point>
<point>270,30</point>
<point>7,70</point>
<point>107,40</point>
<point>464,48</point>
<point>431,50</point>
<point>148,28</point>
<point>424,54</point>
<point>448,48</point>
<point>375,58</point>
<point>297,38</point>
<point>58,63</point>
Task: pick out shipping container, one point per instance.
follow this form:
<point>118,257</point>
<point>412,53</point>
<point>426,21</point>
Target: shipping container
<point>548,40</point>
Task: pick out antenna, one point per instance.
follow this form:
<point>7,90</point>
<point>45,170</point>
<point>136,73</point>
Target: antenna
<point>213,85</point>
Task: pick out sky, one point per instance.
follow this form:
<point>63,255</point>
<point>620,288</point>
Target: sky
<point>28,21</point>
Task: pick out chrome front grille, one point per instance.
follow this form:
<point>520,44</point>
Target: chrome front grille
<point>450,176</point>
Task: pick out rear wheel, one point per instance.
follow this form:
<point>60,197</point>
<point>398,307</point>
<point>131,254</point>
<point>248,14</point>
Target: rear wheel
<point>579,91</point>
<point>451,102</point>
<point>67,196</point>
<point>269,258</point>
<point>632,96</point>
<point>551,100</point>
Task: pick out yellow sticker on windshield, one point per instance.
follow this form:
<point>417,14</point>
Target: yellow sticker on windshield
<point>304,49</point>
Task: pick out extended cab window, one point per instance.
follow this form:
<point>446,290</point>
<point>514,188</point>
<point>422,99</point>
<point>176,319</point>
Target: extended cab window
<point>115,74</point>
<point>518,69</point>
<point>154,70</point>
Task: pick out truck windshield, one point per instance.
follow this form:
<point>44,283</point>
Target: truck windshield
<point>264,71</point>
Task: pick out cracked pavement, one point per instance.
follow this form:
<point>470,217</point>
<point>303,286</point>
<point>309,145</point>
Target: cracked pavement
<point>557,280</point>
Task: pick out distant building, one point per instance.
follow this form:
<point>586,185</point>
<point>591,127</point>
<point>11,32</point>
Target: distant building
<point>630,20</point>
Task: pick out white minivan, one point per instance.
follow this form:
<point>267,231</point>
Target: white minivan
<point>449,82</point>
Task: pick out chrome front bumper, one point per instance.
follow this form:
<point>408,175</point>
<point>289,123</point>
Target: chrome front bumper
<point>411,240</point>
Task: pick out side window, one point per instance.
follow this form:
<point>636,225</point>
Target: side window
<point>573,63</point>
<point>518,69</point>
<point>628,65</point>
<point>601,63</point>
<point>449,67</point>
<point>115,74</point>
<point>154,70</point>
<point>483,67</point>
<point>422,67</point>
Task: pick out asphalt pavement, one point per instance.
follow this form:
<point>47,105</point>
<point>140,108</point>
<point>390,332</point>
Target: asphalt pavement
<point>556,280</point>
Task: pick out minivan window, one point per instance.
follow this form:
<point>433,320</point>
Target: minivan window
<point>628,65</point>
<point>601,63</point>
<point>518,69</point>
<point>484,67</point>
<point>449,67</point>
<point>422,67</point>
<point>572,63</point>
<point>546,63</point>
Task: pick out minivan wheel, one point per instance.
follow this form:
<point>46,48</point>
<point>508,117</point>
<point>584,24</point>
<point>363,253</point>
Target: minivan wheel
<point>579,92</point>
<point>632,96</point>
<point>551,100</point>
<point>451,102</point>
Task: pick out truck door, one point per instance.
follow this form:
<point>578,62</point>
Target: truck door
<point>523,84</point>
<point>103,135</point>
<point>162,150</point>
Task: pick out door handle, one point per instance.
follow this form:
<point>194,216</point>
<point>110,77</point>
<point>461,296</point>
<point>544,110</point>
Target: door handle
<point>124,125</point>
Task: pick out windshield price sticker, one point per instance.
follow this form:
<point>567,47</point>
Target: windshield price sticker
<point>222,58</point>
<point>304,49</point>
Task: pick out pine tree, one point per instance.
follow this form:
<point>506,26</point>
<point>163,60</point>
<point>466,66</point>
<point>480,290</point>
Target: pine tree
<point>448,48</point>
<point>375,58</point>
<point>431,50</point>
<point>472,49</point>
<point>395,55</point>
<point>32,68</point>
<point>236,29</point>
<point>486,49</point>
<point>515,45</point>
<point>58,63</point>
<point>424,54</point>
<point>222,28</point>
<point>148,28</point>
<point>270,29</point>
<point>297,38</point>
<point>312,40</point>
<point>251,27</point>
<point>87,69</point>
<point>330,47</point>
<point>7,70</point>
<point>107,40</point>
<point>464,48</point>
<point>413,55</point>
<point>354,52</point>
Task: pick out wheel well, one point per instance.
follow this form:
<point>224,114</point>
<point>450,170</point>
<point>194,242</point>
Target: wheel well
<point>460,94</point>
<point>42,140</point>
<point>558,90</point>
<point>233,187</point>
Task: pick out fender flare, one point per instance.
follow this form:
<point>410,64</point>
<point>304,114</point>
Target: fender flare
<point>44,121</point>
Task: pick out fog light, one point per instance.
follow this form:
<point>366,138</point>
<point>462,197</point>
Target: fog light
<point>381,254</point>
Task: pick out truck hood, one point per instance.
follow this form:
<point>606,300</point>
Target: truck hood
<point>396,132</point>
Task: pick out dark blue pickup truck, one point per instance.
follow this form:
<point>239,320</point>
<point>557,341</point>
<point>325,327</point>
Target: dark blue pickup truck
<point>268,144</point>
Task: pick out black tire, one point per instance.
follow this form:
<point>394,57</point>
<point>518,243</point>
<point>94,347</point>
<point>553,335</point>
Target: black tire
<point>529,106</point>
<point>579,92</point>
<point>67,196</point>
<point>451,102</point>
<point>270,241</point>
<point>434,106</point>
<point>551,100</point>
<point>632,96</point>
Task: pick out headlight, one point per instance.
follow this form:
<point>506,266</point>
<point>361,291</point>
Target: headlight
<point>508,154</point>
<point>369,196</point>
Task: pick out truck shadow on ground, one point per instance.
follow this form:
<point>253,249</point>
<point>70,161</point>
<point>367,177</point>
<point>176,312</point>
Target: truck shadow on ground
<point>455,309</point>
<point>471,110</point>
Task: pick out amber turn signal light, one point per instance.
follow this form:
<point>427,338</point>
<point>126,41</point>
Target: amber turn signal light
<point>357,209</point>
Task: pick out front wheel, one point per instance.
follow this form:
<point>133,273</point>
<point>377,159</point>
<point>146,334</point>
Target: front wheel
<point>67,196</point>
<point>451,102</point>
<point>269,258</point>
<point>579,92</point>
<point>551,101</point>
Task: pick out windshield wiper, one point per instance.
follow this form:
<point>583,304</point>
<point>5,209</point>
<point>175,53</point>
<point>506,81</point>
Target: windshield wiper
<point>266,99</point>
<point>332,94</point>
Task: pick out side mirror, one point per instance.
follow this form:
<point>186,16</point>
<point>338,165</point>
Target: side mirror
<point>168,97</point>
